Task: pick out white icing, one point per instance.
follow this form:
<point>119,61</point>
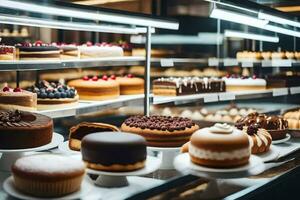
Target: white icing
<point>197,116</point>
<point>49,163</point>
<point>221,128</point>
<point>243,82</point>
<point>167,112</point>
<point>233,111</point>
<point>186,113</point>
<point>203,111</point>
<point>211,155</point>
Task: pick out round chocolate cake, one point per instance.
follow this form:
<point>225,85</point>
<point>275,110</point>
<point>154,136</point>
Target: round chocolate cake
<point>20,130</point>
<point>112,151</point>
<point>161,131</point>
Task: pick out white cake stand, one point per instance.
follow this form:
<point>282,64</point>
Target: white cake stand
<point>270,155</point>
<point>118,179</point>
<point>167,155</point>
<point>287,138</point>
<point>9,188</point>
<point>64,148</point>
<point>183,164</point>
<point>9,156</point>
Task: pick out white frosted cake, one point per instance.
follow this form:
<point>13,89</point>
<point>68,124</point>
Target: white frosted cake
<point>242,83</point>
<point>99,51</point>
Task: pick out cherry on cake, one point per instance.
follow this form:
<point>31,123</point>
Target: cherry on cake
<point>96,88</point>
<point>130,85</point>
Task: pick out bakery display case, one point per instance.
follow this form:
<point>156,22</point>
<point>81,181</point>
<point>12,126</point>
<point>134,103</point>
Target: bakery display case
<point>193,99</point>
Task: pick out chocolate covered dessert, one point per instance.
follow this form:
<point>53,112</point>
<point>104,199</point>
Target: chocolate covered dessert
<point>161,131</point>
<point>110,151</point>
<point>275,125</point>
<point>20,130</point>
<point>85,128</point>
<point>186,86</point>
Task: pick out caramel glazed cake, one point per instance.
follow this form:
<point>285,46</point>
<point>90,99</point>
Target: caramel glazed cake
<point>161,131</point>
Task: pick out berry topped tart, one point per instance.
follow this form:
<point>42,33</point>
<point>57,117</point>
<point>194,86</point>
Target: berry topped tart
<point>97,88</point>
<point>7,52</point>
<point>16,98</point>
<point>37,51</point>
<point>54,95</point>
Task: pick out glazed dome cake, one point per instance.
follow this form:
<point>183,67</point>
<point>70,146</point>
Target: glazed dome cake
<point>219,146</point>
<point>20,130</point>
<point>161,131</point>
<point>114,151</point>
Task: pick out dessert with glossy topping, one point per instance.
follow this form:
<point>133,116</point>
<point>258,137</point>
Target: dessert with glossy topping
<point>130,85</point>
<point>161,131</point>
<point>48,175</point>
<point>17,99</point>
<point>85,128</point>
<point>21,130</point>
<point>96,88</point>
<point>37,51</point>
<point>186,86</point>
<point>237,83</point>
<point>7,52</point>
<point>219,146</point>
<point>111,151</point>
<point>54,95</point>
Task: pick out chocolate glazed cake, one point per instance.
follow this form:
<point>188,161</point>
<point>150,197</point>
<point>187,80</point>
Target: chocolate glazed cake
<point>110,151</point>
<point>38,50</point>
<point>20,130</point>
<point>161,131</point>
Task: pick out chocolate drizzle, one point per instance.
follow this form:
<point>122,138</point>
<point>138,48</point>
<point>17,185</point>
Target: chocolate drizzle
<point>163,123</point>
<point>12,119</point>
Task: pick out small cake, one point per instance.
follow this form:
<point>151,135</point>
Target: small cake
<point>17,98</point>
<point>186,86</point>
<point>7,52</point>
<point>54,95</point>
<point>293,118</point>
<point>48,175</point>
<point>95,88</point>
<point>278,55</point>
<point>85,128</point>
<point>290,55</point>
<point>100,50</point>
<point>21,130</point>
<point>219,146</point>
<point>267,55</point>
<point>37,51</point>
<point>275,125</point>
<point>110,151</point>
<point>69,51</point>
<point>161,131</point>
<point>130,85</point>
<point>234,83</point>
<point>260,139</point>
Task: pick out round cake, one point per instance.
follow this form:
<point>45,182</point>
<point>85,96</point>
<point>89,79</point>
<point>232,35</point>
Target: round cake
<point>111,151</point>
<point>17,99</point>
<point>260,139</point>
<point>220,146</point>
<point>94,88</point>
<point>54,95</point>
<point>48,175</point>
<point>20,130</point>
<point>131,85</point>
<point>161,131</point>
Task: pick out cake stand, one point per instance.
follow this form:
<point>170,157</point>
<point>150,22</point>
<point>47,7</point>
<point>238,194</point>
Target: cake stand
<point>119,179</point>
<point>167,155</point>
<point>287,138</point>
<point>9,188</point>
<point>64,148</point>
<point>183,164</point>
<point>9,156</point>
<point>270,155</point>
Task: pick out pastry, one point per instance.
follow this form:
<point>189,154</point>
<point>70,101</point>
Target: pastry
<point>100,50</point>
<point>130,85</point>
<point>290,55</point>
<point>267,55</point>
<point>85,128</point>
<point>278,55</point>
<point>234,83</point>
<point>54,95</point>
<point>275,125</point>
<point>69,52</point>
<point>17,99</point>
<point>48,175</point>
<point>37,51</point>
<point>7,52</point>
<point>110,151</point>
<point>161,131</point>
<point>260,139</point>
<point>187,86</point>
<point>21,130</point>
<point>95,88</point>
<point>293,118</point>
<point>219,146</point>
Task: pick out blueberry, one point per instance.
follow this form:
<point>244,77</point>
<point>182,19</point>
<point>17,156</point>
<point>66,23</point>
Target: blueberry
<point>67,94</point>
<point>72,94</point>
<point>42,90</point>
<point>57,95</point>
<point>38,94</point>
<point>63,95</point>
<point>43,95</point>
<point>51,95</point>
<point>65,87</point>
<point>61,89</point>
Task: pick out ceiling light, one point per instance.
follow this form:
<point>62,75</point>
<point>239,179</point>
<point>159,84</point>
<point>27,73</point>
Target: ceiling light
<point>238,34</point>
<point>278,20</point>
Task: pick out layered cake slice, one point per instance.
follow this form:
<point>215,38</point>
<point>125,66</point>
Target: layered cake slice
<point>85,128</point>
<point>7,52</point>
<point>37,51</point>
